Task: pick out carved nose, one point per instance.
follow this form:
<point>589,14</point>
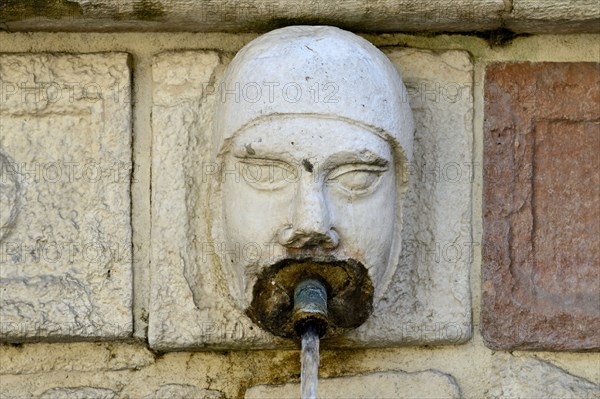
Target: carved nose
<point>311,224</point>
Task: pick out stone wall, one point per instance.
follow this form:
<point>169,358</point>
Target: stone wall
<point>565,16</point>
<point>90,124</point>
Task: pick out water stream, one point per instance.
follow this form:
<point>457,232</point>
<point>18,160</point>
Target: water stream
<point>310,362</point>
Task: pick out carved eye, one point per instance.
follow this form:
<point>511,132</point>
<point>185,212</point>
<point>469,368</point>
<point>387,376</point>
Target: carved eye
<point>266,174</point>
<point>356,179</point>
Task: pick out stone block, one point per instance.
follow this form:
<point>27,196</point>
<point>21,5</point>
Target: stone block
<point>184,391</point>
<point>253,15</point>
<point>390,384</point>
<point>562,16</point>
<point>541,206</point>
<point>514,377</point>
<point>73,357</point>
<point>65,231</point>
<point>78,393</point>
<point>535,16</point>
<point>428,301</point>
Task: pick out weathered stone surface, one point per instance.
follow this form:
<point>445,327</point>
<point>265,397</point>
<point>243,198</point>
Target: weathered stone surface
<point>79,356</point>
<point>560,16</point>
<point>533,16</point>
<point>391,384</point>
<point>513,377</point>
<point>8,197</point>
<point>252,15</point>
<point>313,167</point>
<point>65,250</point>
<point>184,391</point>
<point>78,393</point>
<point>428,300</point>
<point>542,206</point>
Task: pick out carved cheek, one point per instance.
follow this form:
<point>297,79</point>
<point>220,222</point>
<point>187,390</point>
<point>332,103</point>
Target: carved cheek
<point>366,225</point>
<point>255,215</point>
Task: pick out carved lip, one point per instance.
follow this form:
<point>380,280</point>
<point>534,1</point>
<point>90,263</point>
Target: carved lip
<point>349,294</point>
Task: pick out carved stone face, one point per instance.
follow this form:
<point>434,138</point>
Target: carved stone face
<point>307,175</point>
<point>309,187</point>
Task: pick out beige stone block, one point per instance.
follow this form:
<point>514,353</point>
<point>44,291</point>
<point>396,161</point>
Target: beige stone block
<point>78,393</point>
<point>428,301</point>
<point>46,358</point>
<point>184,391</point>
<point>562,16</point>
<point>65,156</point>
<point>528,377</point>
<point>391,384</point>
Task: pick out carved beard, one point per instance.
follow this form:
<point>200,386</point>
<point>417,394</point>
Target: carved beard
<point>349,294</point>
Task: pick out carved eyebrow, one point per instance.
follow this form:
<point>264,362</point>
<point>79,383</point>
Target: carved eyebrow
<point>245,150</point>
<point>364,156</point>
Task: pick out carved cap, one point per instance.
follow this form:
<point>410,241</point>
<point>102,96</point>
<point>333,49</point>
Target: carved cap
<point>314,71</point>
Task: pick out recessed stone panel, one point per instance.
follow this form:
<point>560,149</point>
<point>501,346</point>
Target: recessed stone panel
<point>542,206</point>
<point>428,301</point>
<point>65,232</point>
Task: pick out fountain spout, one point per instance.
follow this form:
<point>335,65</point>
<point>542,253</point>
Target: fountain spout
<point>309,318</point>
<point>310,307</point>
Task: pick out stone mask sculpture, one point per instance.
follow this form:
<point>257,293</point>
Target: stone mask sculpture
<point>312,133</point>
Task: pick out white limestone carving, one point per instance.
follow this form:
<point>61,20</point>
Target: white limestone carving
<point>317,161</point>
<point>211,236</point>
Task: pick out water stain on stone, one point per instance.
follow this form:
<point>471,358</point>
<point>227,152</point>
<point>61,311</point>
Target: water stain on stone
<point>148,10</point>
<point>16,10</point>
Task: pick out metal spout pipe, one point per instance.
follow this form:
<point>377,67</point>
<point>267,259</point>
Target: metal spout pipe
<point>310,307</point>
